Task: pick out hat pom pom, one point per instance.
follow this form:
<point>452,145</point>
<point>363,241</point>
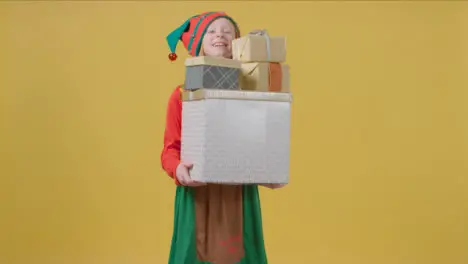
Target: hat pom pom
<point>172,56</point>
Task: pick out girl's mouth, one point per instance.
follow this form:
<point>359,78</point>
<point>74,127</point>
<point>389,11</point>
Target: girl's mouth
<point>219,44</point>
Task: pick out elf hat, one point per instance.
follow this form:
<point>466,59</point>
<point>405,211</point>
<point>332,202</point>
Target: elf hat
<point>192,31</point>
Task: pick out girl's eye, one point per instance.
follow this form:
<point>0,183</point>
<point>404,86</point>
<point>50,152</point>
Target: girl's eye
<point>211,31</point>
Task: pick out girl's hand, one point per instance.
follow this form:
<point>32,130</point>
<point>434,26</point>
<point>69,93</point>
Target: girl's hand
<point>273,185</point>
<point>183,175</point>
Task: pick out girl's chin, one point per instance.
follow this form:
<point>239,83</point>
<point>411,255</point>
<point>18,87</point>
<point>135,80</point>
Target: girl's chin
<point>219,53</point>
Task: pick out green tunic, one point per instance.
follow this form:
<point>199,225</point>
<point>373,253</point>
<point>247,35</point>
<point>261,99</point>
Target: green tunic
<point>217,224</point>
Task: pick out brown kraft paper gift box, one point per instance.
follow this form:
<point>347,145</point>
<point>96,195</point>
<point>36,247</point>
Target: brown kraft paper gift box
<point>254,48</point>
<point>265,77</point>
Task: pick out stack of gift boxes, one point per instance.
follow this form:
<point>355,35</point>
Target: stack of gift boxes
<point>263,62</point>
<point>236,113</point>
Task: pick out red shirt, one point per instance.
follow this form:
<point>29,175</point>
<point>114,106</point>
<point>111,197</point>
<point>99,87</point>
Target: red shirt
<point>170,155</point>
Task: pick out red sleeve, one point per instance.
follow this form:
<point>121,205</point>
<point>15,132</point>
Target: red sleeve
<point>170,156</point>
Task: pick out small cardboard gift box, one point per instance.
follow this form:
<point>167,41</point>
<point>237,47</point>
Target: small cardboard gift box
<point>236,137</point>
<point>257,46</point>
<point>265,76</point>
<point>211,73</point>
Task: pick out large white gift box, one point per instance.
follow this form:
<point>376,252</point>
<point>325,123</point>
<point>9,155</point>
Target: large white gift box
<point>235,136</point>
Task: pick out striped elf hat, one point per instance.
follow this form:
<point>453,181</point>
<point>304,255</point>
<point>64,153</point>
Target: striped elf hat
<point>192,31</point>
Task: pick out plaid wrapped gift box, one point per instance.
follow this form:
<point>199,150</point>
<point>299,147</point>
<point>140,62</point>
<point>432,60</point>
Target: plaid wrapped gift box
<point>236,137</point>
<point>212,73</point>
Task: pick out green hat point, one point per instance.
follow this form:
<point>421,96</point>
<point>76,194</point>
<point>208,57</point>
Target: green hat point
<point>174,37</point>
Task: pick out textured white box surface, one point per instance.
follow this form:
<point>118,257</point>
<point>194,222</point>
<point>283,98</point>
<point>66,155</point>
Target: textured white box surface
<point>236,141</point>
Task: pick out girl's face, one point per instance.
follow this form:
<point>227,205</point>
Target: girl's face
<point>218,38</point>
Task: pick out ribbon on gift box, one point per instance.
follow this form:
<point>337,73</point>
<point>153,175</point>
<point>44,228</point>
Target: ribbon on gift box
<point>275,77</point>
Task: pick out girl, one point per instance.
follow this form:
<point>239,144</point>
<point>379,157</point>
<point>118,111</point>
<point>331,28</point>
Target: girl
<point>213,223</point>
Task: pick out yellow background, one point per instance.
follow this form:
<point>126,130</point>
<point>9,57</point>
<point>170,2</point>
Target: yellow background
<point>379,143</point>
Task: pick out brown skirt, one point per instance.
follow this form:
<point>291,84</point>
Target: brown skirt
<point>218,225</point>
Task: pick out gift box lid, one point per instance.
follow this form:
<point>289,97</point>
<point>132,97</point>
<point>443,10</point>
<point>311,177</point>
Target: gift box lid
<point>212,61</point>
<point>202,94</point>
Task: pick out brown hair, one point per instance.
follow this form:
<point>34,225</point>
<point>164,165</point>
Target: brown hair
<point>202,51</point>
